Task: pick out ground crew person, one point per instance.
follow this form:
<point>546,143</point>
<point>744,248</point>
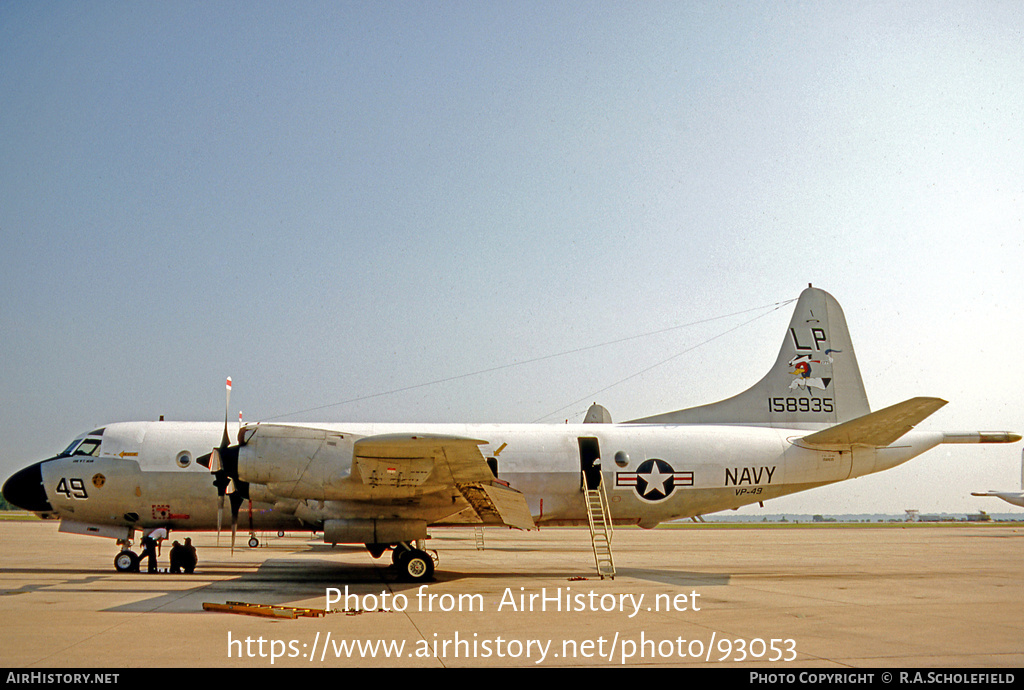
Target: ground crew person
<point>149,551</point>
<point>188,556</point>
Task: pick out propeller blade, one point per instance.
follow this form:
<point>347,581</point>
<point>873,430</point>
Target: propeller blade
<point>224,439</point>
<point>239,493</point>
<point>215,464</point>
<point>220,516</point>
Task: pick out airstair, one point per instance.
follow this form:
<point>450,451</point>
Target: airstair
<point>600,528</point>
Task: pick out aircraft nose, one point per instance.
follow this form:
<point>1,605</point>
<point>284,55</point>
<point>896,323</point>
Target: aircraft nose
<point>25,489</point>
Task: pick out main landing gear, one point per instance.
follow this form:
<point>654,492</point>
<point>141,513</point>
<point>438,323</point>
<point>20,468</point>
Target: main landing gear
<point>413,564</point>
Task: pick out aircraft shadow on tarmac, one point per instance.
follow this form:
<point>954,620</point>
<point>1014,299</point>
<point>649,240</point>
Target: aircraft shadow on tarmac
<point>296,581</point>
<point>280,582</point>
<point>69,585</point>
<point>676,577</point>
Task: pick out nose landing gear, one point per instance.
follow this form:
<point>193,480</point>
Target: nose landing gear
<point>127,561</point>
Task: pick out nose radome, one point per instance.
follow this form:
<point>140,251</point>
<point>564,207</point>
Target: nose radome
<point>25,490</point>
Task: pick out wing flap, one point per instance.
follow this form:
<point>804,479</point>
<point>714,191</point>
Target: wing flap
<point>877,429</point>
<point>498,504</point>
<point>405,460</point>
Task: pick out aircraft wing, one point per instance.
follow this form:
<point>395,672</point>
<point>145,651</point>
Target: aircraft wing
<point>878,429</point>
<point>300,462</point>
<point>403,460</point>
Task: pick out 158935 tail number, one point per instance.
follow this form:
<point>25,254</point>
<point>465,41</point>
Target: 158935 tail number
<point>800,405</point>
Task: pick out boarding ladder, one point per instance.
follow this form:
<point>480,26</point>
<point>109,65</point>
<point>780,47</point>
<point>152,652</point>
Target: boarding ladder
<point>600,528</point>
<point>478,532</point>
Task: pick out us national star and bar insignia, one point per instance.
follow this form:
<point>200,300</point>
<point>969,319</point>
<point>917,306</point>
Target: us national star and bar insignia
<point>654,480</point>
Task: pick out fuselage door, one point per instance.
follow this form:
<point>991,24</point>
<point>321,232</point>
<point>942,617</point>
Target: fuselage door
<point>590,465</point>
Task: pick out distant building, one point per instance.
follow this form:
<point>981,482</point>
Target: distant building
<point>937,518</point>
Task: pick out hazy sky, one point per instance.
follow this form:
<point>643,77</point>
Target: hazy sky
<point>333,200</point>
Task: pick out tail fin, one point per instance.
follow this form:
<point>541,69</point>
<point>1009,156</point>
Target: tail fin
<point>815,381</point>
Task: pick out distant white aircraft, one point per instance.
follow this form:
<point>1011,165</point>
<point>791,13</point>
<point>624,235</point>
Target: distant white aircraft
<point>1014,497</point>
<point>805,424</point>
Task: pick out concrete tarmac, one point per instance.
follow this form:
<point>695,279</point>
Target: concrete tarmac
<point>915,596</point>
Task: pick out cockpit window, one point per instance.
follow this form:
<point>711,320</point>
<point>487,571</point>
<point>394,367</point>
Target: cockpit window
<point>70,449</point>
<point>83,445</point>
<point>90,446</point>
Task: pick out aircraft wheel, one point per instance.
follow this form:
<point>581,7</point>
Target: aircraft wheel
<point>253,542</point>
<point>126,562</point>
<point>416,566</point>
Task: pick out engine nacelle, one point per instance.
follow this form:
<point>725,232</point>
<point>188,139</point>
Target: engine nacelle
<point>258,493</point>
<point>296,462</point>
<point>373,531</point>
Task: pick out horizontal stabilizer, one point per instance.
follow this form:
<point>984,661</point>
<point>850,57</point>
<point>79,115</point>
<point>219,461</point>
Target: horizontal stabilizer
<point>877,429</point>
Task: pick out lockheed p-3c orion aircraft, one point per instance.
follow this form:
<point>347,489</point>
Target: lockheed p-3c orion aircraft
<point>807,423</point>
